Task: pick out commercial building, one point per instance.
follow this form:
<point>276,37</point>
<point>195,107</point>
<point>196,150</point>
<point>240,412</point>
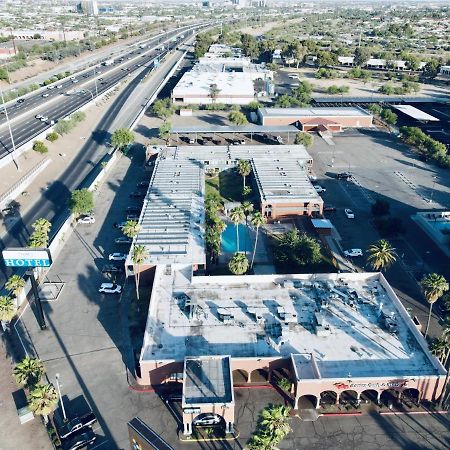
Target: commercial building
<point>316,119</point>
<point>444,72</point>
<point>223,76</point>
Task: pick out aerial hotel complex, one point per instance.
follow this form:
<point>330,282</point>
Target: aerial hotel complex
<point>334,336</point>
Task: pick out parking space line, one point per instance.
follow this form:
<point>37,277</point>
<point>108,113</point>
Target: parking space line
<point>99,445</point>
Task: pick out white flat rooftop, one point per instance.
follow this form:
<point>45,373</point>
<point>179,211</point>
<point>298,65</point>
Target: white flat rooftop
<point>349,111</point>
<point>350,323</point>
<point>415,113</point>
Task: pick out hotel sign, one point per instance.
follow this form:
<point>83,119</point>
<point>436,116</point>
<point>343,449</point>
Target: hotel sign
<point>27,257</point>
<point>388,384</point>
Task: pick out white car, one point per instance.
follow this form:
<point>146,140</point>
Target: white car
<point>349,213</point>
<point>44,118</point>
<point>86,219</point>
<point>117,256</point>
<point>38,116</point>
<point>353,252</point>
<point>312,177</point>
<point>293,76</point>
<point>45,95</point>
<point>319,189</point>
<point>75,81</point>
<point>110,288</point>
<point>59,86</point>
<point>206,419</point>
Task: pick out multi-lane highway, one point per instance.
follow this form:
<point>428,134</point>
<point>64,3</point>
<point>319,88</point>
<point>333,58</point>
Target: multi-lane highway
<point>68,96</point>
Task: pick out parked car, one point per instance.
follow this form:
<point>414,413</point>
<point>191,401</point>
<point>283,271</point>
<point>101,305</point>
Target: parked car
<point>319,189</point>
<point>123,240</point>
<point>344,176</point>
<point>353,252</point>
<point>111,268</point>
<point>132,217</point>
<point>293,76</point>
<point>133,209</point>
<point>312,177</point>
<point>349,213</point>
<point>76,424</point>
<point>329,208</point>
<point>117,256</point>
<point>119,225</point>
<point>191,140</point>
<point>80,440</point>
<point>206,419</point>
<point>110,288</point>
<point>86,219</point>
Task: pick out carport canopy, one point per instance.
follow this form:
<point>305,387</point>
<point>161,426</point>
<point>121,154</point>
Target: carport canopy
<point>251,128</point>
<point>415,113</point>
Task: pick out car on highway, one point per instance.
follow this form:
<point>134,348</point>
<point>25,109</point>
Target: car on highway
<point>46,94</point>
<point>206,419</point>
<point>344,176</point>
<point>86,219</point>
<point>76,424</point>
<point>110,288</point>
<point>51,87</point>
<point>44,118</point>
<point>123,240</point>
<point>38,116</point>
<point>349,213</point>
<point>111,268</point>
<point>80,440</point>
<point>319,189</point>
<point>117,256</point>
<point>59,86</point>
<point>100,79</point>
<point>353,252</point>
<point>75,81</point>
<point>21,100</point>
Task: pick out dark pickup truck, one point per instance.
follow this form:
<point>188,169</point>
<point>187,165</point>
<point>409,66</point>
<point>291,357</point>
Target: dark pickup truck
<point>76,424</point>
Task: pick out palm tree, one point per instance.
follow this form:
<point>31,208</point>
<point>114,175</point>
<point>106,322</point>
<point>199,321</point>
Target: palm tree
<point>138,256</point>
<point>213,92</point>
<point>29,371</point>
<point>275,422</point>
<point>433,286</point>
<point>381,255</point>
<point>15,284</point>
<point>131,229</point>
<point>258,220</point>
<point>261,442</point>
<point>237,216</point>
<point>244,168</point>
<point>238,264</point>
<point>43,400</point>
<point>7,308</point>
<point>42,225</point>
<point>39,237</point>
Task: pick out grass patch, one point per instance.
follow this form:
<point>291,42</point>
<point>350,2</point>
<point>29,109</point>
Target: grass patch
<point>212,185</point>
<point>230,186</point>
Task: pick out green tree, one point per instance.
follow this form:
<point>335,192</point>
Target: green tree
<point>375,109</point>
<point>258,220</point>
<point>81,201</point>
<point>237,118</point>
<point>432,68</point>
<point>238,264</point>
<point>52,137</point>
<point>39,237</point>
<point>63,127</point>
<point>165,130</point>
<point>131,229</point>
<point>163,108</point>
<point>237,217</point>
<point>381,255</point>
<point>138,256</point>
<point>40,147</point>
<point>122,137</point>
<point>433,287</point>
<point>7,308</point>
<point>43,399</point>
<point>326,59</point>
<point>244,168</point>
<point>285,384</point>
<point>304,138</point>
<point>15,284</point>
<point>274,422</point>
<point>214,92</point>
<point>261,441</point>
<point>362,55</point>
<point>29,371</point>
<point>298,249</point>
<point>389,116</point>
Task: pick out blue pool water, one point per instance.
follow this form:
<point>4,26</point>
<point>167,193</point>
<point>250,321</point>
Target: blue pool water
<point>229,239</point>
<point>442,226</point>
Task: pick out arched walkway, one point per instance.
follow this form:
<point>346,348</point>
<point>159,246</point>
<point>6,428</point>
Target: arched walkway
<point>240,376</point>
<point>410,394</point>
<point>348,397</point>
<point>328,398</point>
<point>307,402</point>
<point>389,397</point>
<point>259,376</point>
<point>369,396</point>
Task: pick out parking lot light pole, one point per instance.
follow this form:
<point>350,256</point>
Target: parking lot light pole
<point>58,387</point>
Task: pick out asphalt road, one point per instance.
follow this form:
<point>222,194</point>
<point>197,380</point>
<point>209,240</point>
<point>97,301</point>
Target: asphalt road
<point>64,101</point>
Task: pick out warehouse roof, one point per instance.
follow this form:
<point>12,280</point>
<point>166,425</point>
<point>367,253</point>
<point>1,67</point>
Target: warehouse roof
<point>350,111</point>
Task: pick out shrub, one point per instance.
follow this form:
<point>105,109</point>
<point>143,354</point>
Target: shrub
<point>78,116</point>
<point>337,89</point>
<point>40,147</point>
<point>52,137</point>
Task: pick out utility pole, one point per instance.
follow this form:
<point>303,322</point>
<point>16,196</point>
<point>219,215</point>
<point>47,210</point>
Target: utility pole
<point>10,130</point>
<point>58,387</point>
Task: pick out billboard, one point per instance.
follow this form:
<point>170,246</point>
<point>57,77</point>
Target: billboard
<point>27,257</point>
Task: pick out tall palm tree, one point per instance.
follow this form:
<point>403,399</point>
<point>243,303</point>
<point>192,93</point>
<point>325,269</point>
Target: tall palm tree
<point>39,237</point>
<point>381,255</point>
<point>261,441</point>
<point>238,264</point>
<point>275,421</point>
<point>213,92</point>
<point>237,217</point>
<point>433,286</point>
<point>131,229</point>
<point>43,399</point>
<point>258,220</point>
<point>15,284</point>
<point>247,207</point>
<point>138,256</point>
<point>7,308</point>
<point>42,225</point>
<point>244,168</point>
<point>29,371</point>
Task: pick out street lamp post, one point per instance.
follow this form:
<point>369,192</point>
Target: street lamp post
<point>58,387</point>
<point>10,131</point>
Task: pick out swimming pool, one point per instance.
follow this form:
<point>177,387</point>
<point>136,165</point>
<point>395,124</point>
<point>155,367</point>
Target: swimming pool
<point>229,239</point>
